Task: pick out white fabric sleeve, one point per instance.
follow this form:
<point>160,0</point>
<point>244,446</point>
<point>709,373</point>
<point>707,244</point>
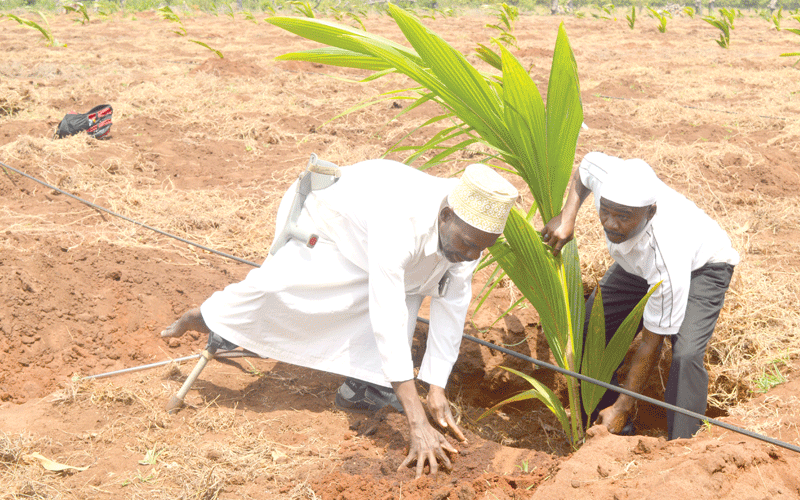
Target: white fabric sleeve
<point>448,315</point>
<point>388,312</point>
<point>593,172</point>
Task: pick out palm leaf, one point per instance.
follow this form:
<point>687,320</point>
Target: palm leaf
<point>564,119</point>
<point>574,286</point>
<point>336,35</point>
<point>218,53</point>
<point>605,358</point>
<point>451,67</point>
<point>533,269</point>
<point>335,56</point>
<point>540,392</point>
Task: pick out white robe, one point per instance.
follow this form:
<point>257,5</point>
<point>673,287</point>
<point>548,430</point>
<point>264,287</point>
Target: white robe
<point>349,305</point>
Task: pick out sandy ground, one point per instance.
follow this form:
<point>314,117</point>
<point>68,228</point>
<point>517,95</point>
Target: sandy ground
<point>203,147</point>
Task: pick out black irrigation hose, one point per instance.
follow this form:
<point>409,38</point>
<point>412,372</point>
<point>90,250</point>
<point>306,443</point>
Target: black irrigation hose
<point>97,207</point>
<point>635,395</point>
<point>509,352</point>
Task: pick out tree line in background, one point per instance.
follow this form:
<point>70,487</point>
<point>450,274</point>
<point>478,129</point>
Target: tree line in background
<point>321,6</point>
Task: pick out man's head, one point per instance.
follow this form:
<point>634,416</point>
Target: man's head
<point>628,200</point>
<point>622,222</point>
<point>475,214</point>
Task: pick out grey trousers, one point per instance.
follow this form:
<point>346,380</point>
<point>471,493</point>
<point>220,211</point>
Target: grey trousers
<point>687,385</point>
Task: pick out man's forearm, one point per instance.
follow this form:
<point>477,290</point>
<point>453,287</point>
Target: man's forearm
<point>645,358</point>
<point>409,397</point>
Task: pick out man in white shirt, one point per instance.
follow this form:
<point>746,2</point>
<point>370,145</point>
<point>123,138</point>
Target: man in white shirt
<point>389,236</point>
<point>655,235</point>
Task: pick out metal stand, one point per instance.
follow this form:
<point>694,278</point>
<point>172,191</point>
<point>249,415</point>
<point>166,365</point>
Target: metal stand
<point>175,403</point>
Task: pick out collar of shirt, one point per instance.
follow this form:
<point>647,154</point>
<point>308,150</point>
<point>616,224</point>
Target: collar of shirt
<point>630,245</point>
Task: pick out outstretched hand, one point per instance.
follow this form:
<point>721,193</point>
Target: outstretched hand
<point>557,233</point>
<point>427,445</point>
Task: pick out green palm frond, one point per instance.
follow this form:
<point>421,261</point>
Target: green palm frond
<point>606,358</point>
<point>539,391</point>
<point>203,44</point>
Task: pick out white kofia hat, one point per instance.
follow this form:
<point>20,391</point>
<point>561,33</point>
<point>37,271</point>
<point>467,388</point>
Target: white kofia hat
<point>631,183</point>
<point>483,198</point>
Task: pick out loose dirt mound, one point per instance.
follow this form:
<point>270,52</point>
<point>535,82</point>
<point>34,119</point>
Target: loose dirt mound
<point>203,147</point>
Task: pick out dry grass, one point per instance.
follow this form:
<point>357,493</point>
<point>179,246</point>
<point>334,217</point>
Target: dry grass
<point>178,456</point>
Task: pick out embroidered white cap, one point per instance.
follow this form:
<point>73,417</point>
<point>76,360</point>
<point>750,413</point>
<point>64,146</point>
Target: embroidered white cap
<point>483,198</point>
<point>631,183</point>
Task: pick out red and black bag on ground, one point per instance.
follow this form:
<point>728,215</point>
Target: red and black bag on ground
<point>97,122</point>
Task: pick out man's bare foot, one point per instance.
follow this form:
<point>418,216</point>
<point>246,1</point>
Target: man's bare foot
<point>191,320</point>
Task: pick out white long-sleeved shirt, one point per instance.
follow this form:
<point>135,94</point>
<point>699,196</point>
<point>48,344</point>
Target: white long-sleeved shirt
<point>679,239</point>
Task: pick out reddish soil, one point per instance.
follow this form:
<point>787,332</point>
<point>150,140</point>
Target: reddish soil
<point>84,293</point>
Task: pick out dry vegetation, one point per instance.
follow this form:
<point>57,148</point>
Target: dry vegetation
<point>177,459</point>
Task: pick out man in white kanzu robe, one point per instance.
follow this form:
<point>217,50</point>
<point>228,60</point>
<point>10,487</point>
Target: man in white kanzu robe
<point>389,236</point>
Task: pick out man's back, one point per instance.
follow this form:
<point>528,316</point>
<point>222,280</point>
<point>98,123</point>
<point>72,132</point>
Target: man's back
<point>379,201</point>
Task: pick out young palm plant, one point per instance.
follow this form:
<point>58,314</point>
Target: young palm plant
<point>78,8</point>
<point>43,29</point>
<point>724,24</point>
<point>505,113</point>
<point>661,16</point>
<point>631,17</point>
<point>776,19</point>
<point>506,17</point>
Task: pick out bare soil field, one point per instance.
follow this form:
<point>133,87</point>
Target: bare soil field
<point>203,147</point>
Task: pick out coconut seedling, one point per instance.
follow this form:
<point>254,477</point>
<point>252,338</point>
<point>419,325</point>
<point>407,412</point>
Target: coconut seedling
<point>724,24</point>
<point>796,31</point>
<point>631,17</point>
<point>609,12</point>
<point>249,16</point>
<point>228,7</point>
<point>506,18</point>
<point>303,8</point>
<point>106,8</point>
<point>44,30</point>
<point>78,8</point>
<point>661,17</point>
<point>343,15</point>
<point>776,18</point>
<point>169,15</point>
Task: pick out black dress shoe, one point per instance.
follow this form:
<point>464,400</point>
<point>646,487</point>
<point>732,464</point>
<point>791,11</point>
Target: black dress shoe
<point>363,397</point>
